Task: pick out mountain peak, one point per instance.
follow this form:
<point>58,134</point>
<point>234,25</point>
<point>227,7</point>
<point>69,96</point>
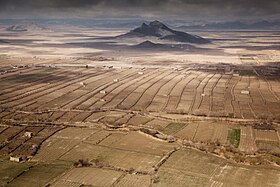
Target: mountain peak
<point>33,27</point>
<point>144,25</point>
<point>147,42</point>
<point>161,31</point>
<point>156,23</point>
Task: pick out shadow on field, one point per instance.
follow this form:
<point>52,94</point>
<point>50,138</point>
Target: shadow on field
<point>254,48</point>
<point>48,75</point>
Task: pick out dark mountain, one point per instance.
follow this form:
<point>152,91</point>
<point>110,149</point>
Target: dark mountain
<point>161,31</point>
<point>31,27</point>
<point>237,25</point>
<point>148,45</point>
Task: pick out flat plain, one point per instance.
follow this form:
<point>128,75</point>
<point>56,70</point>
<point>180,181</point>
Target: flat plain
<point>83,112</point>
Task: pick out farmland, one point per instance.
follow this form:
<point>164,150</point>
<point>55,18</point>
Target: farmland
<point>138,129</point>
<point>212,171</point>
<point>170,119</point>
<point>146,162</point>
<point>79,92</point>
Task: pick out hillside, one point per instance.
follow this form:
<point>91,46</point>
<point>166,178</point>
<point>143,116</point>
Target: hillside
<point>160,31</point>
<point>150,45</point>
<point>32,27</point>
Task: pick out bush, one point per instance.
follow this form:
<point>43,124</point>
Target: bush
<point>82,163</point>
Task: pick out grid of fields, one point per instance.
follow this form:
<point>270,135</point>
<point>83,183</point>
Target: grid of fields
<point>203,170</point>
<point>14,140</point>
<point>188,91</point>
<point>122,158</point>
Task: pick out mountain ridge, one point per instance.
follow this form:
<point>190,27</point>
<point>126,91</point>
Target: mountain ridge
<point>162,32</point>
<point>148,45</point>
<point>30,27</point>
<point>236,25</point>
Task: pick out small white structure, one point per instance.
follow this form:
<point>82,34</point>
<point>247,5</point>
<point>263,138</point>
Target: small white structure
<point>16,158</point>
<point>229,72</point>
<point>202,95</point>
<point>102,100</point>
<point>83,84</point>
<point>236,75</point>
<point>28,134</point>
<point>245,92</point>
<point>103,92</point>
<point>116,80</point>
<point>141,73</point>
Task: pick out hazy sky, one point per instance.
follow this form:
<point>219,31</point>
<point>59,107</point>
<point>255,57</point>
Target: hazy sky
<point>173,9</point>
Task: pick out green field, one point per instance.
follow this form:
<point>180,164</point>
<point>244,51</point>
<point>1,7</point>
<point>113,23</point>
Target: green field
<point>247,72</point>
<point>39,175</point>
<point>10,170</point>
<point>234,137</point>
<point>172,128</point>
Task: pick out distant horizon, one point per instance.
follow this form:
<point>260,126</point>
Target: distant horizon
<point>131,23</point>
<point>189,10</point>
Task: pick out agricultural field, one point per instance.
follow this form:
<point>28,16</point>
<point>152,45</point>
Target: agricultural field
<point>10,170</point>
<point>148,162</point>
<point>47,92</point>
<point>141,119</point>
<point>15,140</point>
<point>211,171</point>
<point>39,175</point>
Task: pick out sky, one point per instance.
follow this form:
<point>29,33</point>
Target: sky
<point>190,10</point>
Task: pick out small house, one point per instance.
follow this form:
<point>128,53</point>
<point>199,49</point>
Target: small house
<point>16,158</point>
<point>83,84</point>
<point>236,75</point>
<point>28,134</point>
<point>245,92</point>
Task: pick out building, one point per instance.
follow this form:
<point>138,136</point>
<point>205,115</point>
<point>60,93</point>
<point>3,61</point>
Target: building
<point>245,92</point>
<point>28,134</point>
<point>236,75</point>
<point>16,158</point>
